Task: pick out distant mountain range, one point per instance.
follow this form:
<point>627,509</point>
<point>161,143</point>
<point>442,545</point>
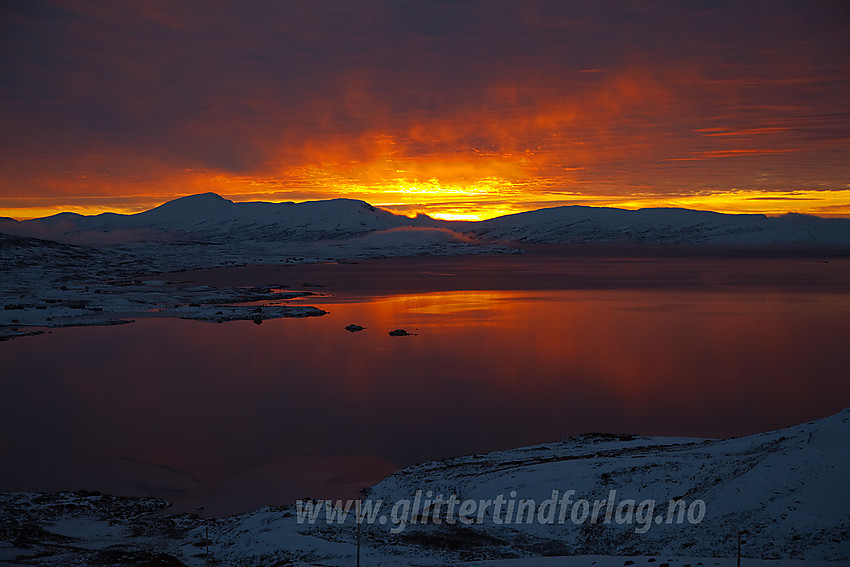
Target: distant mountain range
<point>579,224</point>
<point>211,218</point>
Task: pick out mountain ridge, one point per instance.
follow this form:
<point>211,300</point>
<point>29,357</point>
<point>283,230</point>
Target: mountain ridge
<point>209,216</point>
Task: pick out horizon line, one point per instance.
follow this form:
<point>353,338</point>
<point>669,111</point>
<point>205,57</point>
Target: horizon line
<point>412,211</point>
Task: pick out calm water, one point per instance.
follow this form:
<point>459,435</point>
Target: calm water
<point>487,369</point>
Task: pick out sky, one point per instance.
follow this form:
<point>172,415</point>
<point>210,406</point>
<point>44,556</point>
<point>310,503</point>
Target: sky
<point>457,109</point>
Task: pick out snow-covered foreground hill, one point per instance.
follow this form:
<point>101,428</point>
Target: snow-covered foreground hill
<point>784,492</point>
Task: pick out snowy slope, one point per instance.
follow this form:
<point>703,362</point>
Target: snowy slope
<point>47,283</point>
<point>786,489</point>
<point>579,224</point>
<point>19,251</point>
<point>86,256</point>
<point>210,218</point>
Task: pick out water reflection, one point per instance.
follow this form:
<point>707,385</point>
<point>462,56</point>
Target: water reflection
<point>486,370</point>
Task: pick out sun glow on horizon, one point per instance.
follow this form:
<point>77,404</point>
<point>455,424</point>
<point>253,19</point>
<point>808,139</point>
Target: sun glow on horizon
<point>454,201</point>
<point>532,110</point>
<point>453,186</point>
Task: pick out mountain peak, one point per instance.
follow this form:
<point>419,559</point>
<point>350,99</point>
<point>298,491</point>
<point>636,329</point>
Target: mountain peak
<point>202,204</point>
<point>200,199</point>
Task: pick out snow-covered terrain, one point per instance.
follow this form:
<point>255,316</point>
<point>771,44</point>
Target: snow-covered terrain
<point>70,269</point>
<point>579,224</point>
<point>211,219</point>
<point>784,492</point>
<point>51,284</point>
<point>784,487</point>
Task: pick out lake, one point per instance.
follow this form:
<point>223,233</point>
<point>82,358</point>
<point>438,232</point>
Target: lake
<point>507,351</point>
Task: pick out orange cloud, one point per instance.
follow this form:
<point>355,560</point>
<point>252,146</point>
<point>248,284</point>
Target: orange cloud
<point>461,116</point>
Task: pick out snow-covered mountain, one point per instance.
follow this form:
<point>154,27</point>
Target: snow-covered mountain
<point>84,257</point>
<point>211,218</point>
<point>580,224</point>
<point>784,492</point>
<point>71,269</point>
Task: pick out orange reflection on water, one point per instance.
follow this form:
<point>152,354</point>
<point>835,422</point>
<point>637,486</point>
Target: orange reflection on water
<point>641,351</point>
<point>486,370</point>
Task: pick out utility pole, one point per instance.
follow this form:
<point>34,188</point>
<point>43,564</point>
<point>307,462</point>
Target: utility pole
<point>740,541</point>
<point>739,549</point>
<point>358,532</point>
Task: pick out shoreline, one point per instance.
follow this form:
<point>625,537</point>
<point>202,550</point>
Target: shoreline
<point>545,268</point>
<point>224,293</point>
<point>703,471</point>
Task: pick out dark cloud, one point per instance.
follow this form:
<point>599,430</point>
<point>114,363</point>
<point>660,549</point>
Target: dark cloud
<point>137,93</point>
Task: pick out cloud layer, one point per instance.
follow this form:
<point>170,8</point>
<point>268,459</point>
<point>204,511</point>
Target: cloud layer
<point>464,109</point>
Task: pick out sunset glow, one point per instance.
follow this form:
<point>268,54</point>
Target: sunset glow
<point>445,111</point>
